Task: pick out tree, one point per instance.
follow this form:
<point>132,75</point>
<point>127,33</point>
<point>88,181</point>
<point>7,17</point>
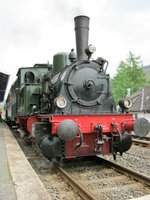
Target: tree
<point>129,75</point>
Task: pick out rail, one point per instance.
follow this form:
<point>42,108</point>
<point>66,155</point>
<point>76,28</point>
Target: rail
<point>137,176</point>
<point>75,184</point>
<point>145,141</point>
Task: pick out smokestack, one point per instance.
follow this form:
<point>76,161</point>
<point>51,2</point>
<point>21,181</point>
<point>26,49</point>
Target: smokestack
<point>82,35</point>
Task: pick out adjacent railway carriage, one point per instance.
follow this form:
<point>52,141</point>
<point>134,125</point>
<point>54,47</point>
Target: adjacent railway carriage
<point>68,108</point>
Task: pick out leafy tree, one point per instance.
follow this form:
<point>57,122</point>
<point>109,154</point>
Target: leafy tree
<point>129,75</point>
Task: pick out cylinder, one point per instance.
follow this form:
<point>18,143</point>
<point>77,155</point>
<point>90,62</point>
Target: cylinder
<point>128,125</point>
<point>60,60</point>
<point>141,126</point>
<point>82,35</point>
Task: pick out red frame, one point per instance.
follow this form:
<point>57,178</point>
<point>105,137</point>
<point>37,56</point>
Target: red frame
<point>111,124</point>
<point>87,123</point>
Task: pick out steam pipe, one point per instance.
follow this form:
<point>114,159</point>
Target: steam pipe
<point>82,35</point>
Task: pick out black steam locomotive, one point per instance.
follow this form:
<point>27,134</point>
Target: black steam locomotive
<point>68,108</point>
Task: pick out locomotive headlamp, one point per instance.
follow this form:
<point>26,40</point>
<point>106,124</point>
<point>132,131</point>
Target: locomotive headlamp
<point>90,49</point>
<point>60,102</point>
<point>125,103</point>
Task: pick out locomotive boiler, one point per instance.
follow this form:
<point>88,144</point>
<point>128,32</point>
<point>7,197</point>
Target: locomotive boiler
<point>68,108</point>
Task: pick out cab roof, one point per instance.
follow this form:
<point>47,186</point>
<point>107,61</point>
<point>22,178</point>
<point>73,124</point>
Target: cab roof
<point>3,85</point>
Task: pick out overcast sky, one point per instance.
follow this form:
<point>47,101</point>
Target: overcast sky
<point>32,31</point>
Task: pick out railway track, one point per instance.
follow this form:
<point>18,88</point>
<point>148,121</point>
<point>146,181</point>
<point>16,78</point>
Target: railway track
<point>144,142</point>
<point>111,176</point>
<point>133,174</point>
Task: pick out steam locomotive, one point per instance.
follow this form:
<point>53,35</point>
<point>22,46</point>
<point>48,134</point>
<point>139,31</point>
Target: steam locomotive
<point>67,108</point>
